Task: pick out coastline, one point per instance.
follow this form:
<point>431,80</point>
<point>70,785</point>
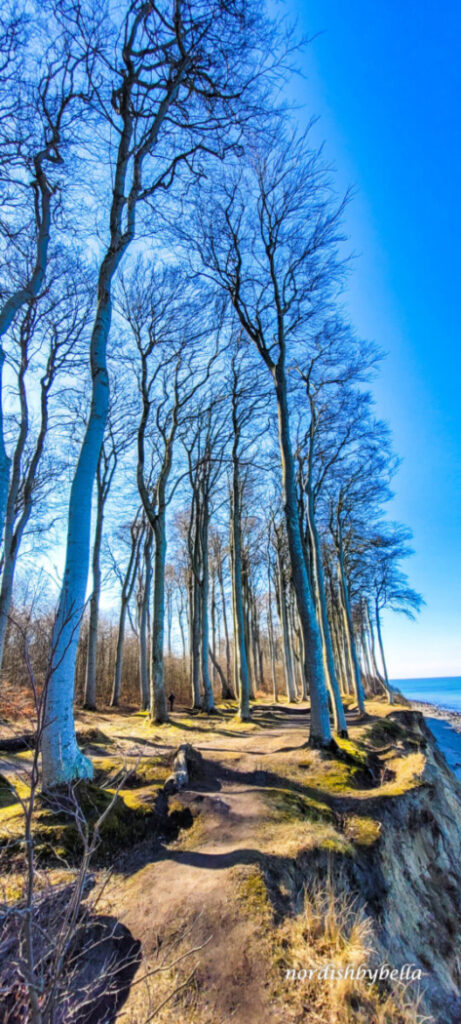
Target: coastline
<point>445,725</point>
<point>436,711</point>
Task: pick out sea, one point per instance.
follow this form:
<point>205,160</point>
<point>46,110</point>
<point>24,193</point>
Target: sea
<point>445,691</point>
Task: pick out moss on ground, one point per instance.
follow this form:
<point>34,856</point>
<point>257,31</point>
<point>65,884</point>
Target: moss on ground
<point>132,773</point>
<point>355,753</point>
<point>385,731</point>
<point>131,816</point>
<point>7,794</point>
<point>251,890</point>
<point>290,806</point>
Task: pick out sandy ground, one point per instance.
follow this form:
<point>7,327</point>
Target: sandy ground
<point>445,725</point>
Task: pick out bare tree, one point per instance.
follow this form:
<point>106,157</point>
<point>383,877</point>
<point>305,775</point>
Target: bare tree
<point>137,532</point>
<point>43,350</point>
<point>116,439</point>
<point>270,242</point>
<point>205,445</point>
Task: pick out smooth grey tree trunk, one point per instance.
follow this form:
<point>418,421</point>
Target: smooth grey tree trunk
<point>62,761</point>
<point>371,634</point>
<point>320,733</point>
<point>270,628</point>
<point>339,717</point>
<point>125,597</point>
<point>287,659</point>
<point>390,695</point>
<point>240,644</point>
<point>231,695</point>
<point>117,684</point>
<point>158,705</point>
<point>144,683</point>
<point>89,700</point>
<point>349,628</point>
<point>204,594</point>
<point>195,645</point>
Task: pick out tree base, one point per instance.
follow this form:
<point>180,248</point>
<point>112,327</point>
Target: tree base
<point>60,774</point>
<point>159,719</point>
<point>318,743</point>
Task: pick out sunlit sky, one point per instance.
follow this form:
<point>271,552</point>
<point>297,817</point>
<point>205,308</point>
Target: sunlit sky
<point>385,80</point>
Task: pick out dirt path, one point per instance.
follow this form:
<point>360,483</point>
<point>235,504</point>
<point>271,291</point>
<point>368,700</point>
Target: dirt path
<point>186,892</point>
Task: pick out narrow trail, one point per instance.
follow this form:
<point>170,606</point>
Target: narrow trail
<point>230,811</point>
<point>185,891</point>
<point>225,880</point>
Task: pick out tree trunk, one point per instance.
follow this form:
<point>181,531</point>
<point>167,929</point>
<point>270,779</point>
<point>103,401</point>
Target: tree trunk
<point>89,700</point>
<point>270,627</point>
<point>390,695</point>
<point>213,626</point>
<point>144,625</point>
<point>195,644</point>
<point>117,684</point>
<point>320,733</point>
<point>158,705</point>
<point>127,590</point>
<point>240,646</point>
<point>339,718</point>
<point>231,695</point>
<point>287,658</point>
<point>62,761</point>
<point>371,634</point>
<point>247,629</point>
<point>205,585</point>
<point>349,628</point>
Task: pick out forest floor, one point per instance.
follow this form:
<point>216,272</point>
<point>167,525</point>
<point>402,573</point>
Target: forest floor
<point>228,900</point>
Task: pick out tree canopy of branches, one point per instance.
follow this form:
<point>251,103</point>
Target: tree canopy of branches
<point>186,409</point>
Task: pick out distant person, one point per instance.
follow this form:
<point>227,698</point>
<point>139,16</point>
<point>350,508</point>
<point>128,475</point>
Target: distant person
<point>171,699</point>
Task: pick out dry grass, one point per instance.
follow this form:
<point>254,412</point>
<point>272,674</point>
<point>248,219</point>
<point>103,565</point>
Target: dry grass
<point>333,930</point>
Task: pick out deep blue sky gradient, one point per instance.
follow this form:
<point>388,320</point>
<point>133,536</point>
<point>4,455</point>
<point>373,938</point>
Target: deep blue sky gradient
<point>385,79</point>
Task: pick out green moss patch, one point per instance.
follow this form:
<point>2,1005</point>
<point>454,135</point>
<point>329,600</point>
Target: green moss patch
<point>149,771</point>
<point>7,794</point>
<point>251,890</point>
<point>131,816</point>
<point>292,806</point>
<point>352,752</point>
<point>385,731</point>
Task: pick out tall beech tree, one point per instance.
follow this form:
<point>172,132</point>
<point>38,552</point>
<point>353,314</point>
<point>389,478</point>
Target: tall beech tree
<point>205,445</point>
<point>127,578</point>
<point>389,583</point>
<point>173,83</point>
<point>116,439</point>
<point>162,318</point>
<point>270,240</point>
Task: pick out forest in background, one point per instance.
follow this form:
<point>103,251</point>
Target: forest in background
<point>186,410</point>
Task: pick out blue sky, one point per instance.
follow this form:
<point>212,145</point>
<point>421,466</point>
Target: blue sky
<point>385,79</point>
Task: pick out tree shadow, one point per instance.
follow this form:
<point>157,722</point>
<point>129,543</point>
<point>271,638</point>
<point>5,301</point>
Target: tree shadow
<point>105,965</point>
